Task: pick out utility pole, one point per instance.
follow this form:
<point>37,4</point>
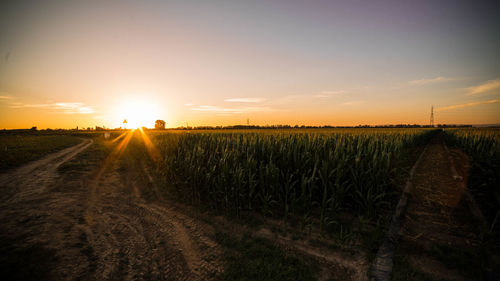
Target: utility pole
<point>248,121</point>
<point>432,116</point>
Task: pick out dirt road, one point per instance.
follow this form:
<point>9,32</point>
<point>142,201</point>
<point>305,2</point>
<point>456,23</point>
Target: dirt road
<point>36,176</point>
<point>94,225</point>
<point>438,216</point>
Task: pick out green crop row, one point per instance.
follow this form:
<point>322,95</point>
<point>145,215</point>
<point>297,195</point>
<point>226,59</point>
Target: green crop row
<point>482,145</point>
<point>310,175</point>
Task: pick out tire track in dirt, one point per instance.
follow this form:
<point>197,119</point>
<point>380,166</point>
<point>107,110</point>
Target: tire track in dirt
<point>34,177</point>
<point>157,243</point>
<point>353,266</point>
<point>124,238</point>
<point>438,213</point>
<point>100,227</point>
<point>433,212</point>
<point>191,237</point>
<point>28,205</point>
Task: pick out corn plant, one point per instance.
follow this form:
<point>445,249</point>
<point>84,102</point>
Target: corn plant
<point>482,145</point>
<point>308,174</point>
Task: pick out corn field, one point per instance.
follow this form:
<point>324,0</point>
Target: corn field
<point>478,142</point>
<point>308,174</point>
<point>483,147</point>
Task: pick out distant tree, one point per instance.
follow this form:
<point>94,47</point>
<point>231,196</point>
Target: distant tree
<point>34,128</point>
<point>160,124</point>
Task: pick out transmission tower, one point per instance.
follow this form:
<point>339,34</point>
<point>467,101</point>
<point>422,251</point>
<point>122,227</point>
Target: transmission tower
<point>432,116</point>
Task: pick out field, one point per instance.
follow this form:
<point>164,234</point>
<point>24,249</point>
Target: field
<point>19,149</point>
<point>208,204</point>
<point>483,147</point>
<point>307,176</point>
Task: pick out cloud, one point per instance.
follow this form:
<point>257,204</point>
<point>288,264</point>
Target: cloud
<point>321,96</point>
<point>27,105</point>
<point>327,94</point>
<point>428,81</point>
<point>354,102</point>
<point>59,107</point>
<point>487,86</point>
<point>245,100</point>
<point>231,110</point>
<point>470,104</point>
<point>6,97</point>
<point>73,108</point>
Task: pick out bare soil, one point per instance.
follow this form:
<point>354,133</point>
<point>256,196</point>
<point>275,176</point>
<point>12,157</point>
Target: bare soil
<point>438,216</point>
<point>96,226</point>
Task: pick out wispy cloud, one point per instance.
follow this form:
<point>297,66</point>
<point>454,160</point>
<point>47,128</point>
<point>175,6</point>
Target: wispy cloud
<point>327,94</point>
<point>6,97</point>
<point>470,104</point>
<point>28,105</point>
<point>488,86</point>
<point>354,102</point>
<point>231,110</point>
<point>74,108</point>
<point>58,107</point>
<point>245,100</point>
<point>427,81</point>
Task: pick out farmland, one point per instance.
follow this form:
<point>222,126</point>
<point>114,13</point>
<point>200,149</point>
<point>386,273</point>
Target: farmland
<point>222,204</point>
<point>18,149</point>
<point>310,176</point>
<point>483,147</point>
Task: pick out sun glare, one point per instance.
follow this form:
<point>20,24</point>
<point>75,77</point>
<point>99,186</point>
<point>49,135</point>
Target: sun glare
<point>137,113</point>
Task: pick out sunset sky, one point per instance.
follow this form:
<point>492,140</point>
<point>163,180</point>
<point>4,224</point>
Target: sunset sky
<point>85,63</point>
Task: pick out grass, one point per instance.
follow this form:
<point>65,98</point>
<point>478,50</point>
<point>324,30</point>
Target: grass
<point>87,159</point>
<point>257,259</point>
<point>403,271</point>
<point>470,263</point>
<point>16,150</point>
<point>483,148</point>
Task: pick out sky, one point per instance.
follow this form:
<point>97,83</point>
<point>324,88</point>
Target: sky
<point>85,63</point>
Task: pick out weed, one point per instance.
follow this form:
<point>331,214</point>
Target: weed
<point>257,259</point>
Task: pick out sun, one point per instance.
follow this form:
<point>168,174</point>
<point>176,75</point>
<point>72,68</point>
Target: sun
<point>138,113</point>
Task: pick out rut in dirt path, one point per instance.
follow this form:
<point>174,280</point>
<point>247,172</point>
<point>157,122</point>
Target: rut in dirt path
<point>34,177</point>
<point>98,227</point>
<point>437,212</point>
<point>131,238</point>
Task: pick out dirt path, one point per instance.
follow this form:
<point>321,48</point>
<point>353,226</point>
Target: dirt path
<point>437,213</point>
<point>35,176</point>
<point>97,227</point>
